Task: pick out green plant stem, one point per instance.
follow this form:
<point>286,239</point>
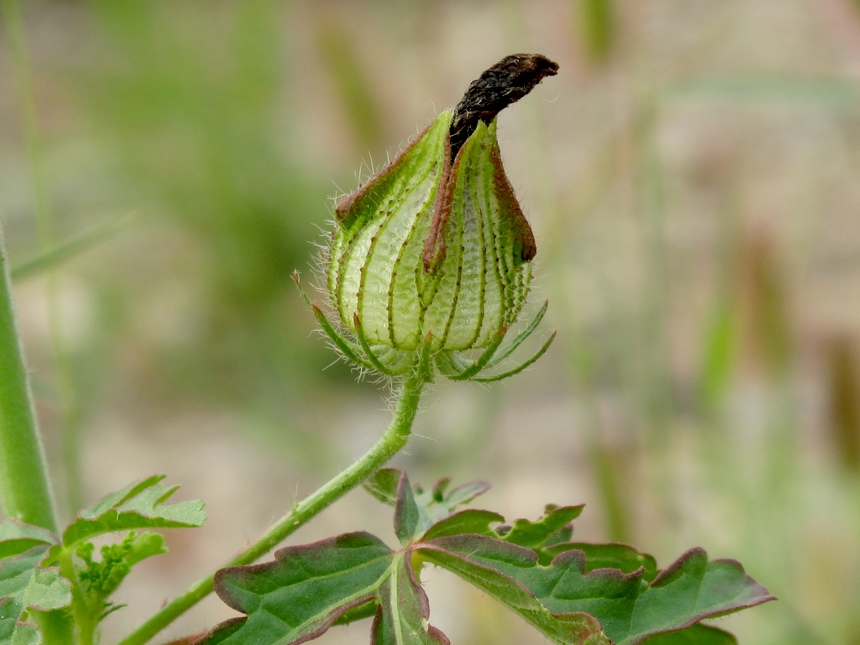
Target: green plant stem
<point>81,612</point>
<point>68,405</point>
<point>392,441</point>
<point>25,493</point>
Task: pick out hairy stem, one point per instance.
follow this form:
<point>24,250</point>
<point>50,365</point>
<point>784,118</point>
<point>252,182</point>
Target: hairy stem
<point>25,493</point>
<point>392,441</point>
<point>68,408</point>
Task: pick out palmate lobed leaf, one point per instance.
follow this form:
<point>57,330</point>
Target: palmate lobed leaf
<point>25,587</point>
<point>141,505</point>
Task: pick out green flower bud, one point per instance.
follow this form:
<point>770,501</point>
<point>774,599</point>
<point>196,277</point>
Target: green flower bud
<point>431,257</point>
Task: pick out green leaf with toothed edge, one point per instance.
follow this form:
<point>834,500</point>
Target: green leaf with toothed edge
<point>140,505</point>
<point>554,526</point>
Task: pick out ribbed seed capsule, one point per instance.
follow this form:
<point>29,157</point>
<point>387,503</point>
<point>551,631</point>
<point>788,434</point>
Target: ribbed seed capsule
<point>433,252</point>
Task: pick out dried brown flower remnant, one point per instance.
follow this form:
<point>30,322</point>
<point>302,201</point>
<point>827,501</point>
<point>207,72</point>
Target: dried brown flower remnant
<point>504,83</point>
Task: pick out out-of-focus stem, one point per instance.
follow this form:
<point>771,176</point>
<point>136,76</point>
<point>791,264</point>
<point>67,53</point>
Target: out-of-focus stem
<point>25,493</point>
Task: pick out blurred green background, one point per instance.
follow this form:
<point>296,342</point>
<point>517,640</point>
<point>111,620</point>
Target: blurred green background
<point>692,178</point>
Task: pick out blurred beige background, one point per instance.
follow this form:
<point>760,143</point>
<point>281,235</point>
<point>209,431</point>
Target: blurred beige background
<point>692,179</point>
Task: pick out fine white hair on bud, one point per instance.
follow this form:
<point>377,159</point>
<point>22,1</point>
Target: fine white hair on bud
<point>432,255</point>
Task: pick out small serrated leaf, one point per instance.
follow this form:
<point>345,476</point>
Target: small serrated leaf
<point>17,537</point>
<point>47,590</point>
<point>468,521</point>
<point>145,546</point>
<point>440,501</point>
<point>303,591</point>
<point>141,505</point>
<point>435,503</point>
<point>535,535</point>
<point>24,586</point>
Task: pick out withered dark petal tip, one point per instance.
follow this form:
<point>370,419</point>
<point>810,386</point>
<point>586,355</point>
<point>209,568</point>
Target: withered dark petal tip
<point>504,83</point>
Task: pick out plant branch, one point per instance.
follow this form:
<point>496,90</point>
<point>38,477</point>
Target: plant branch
<point>392,441</point>
<point>25,493</point>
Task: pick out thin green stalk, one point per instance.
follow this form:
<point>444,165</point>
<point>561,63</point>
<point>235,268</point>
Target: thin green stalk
<point>25,493</point>
<point>81,612</point>
<point>392,441</point>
